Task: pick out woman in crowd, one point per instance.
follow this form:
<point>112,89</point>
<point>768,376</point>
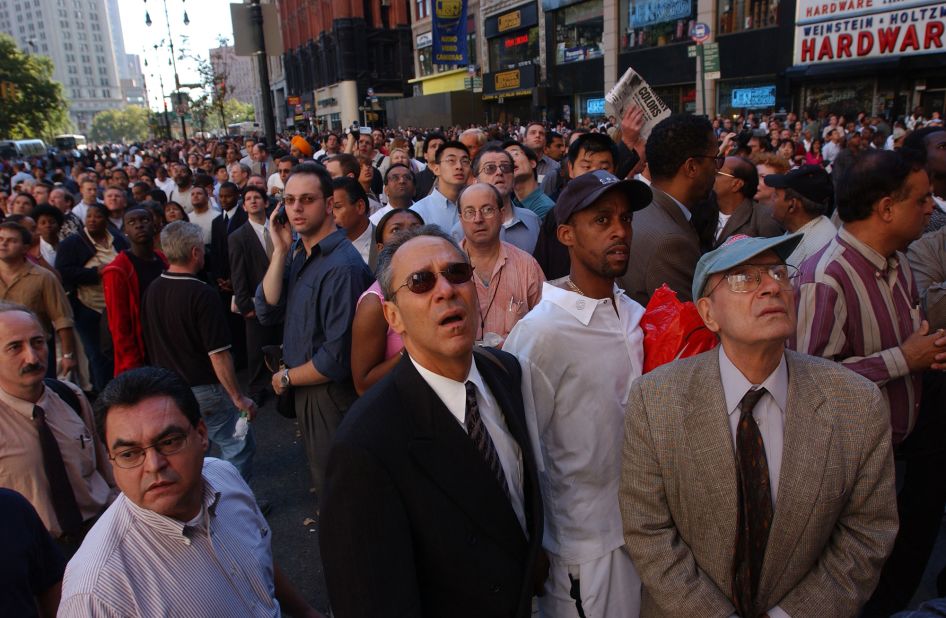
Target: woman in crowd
<point>174,212</point>
<point>813,156</point>
<point>376,348</point>
<point>80,260</point>
<point>49,221</point>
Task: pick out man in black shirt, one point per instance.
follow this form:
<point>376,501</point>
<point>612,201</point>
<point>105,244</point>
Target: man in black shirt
<point>185,330</point>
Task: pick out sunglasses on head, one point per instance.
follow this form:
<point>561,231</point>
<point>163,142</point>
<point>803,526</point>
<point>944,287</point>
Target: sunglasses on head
<point>423,281</point>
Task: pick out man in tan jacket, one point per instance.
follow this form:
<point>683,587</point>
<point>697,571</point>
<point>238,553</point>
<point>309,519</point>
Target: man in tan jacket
<point>756,481</point>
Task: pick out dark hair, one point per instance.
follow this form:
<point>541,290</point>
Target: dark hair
<point>347,162</point>
<point>314,169</point>
<point>591,143</point>
<point>28,196</point>
<point>528,152</point>
<point>386,255</point>
<point>132,387</point>
<point>450,144</point>
<point>674,140</point>
<point>45,210</point>
<point>173,203</point>
<point>231,186</point>
<point>11,224</point>
<point>353,189</point>
<point>914,144</point>
<point>407,167</point>
<point>100,207</point>
<point>251,189</point>
<point>490,148</point>
<point>550,135</point>
<point>158,195</point>
<point>432,136</point>
<point>383,221</point>
<point>217,168</point>
<point>874,175</point>
<point>204,181</point>
<point>289,159</point>
<point>749,175</point>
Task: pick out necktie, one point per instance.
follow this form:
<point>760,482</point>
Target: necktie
<point>755,507</point>
<point>64,501</point>
<point>480,437</point>
<point>262,169</point>
<point>267,242</point>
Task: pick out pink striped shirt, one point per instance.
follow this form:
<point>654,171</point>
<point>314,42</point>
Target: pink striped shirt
<point>856,307</point>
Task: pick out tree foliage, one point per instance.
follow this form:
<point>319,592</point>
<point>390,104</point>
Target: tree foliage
<point>126,125</point>
<point>35,105</point>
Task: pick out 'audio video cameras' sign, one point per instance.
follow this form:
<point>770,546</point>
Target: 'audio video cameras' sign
<point>841,30</point>
<point>449,29</point>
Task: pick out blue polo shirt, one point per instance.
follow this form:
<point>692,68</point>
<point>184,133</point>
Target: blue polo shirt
<point>317,306</point>
<point>538,202</point>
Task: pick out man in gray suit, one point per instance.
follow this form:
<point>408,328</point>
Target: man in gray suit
<point>755,480</point>
<point>682,157</point>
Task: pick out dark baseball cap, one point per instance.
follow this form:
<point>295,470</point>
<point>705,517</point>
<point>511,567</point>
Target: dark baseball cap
<point>811,181</point>
<point>583,191</point>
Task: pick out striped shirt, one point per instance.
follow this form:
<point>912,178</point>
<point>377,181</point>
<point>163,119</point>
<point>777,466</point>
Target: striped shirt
<point>135,562</point>
<point>857,307</point>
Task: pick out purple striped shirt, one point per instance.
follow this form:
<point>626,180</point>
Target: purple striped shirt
<point>856,307</point>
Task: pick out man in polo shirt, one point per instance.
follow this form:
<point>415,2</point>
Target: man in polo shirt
<point>193,517</point>
<point>185,330</point>
<point>48,448</point>
<point>451,166</point>
<point>858,305</point>
<point>312,286</point>
<point>581,349</point>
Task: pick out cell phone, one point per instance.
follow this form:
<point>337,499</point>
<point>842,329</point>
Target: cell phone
<point>281,217</point>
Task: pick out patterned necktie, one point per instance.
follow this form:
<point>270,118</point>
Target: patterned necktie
<point>64,501</point>
<point>480,437</point>
<point>267,242</point>
<point>755,507</point>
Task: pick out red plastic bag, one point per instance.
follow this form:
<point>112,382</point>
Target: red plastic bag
<point>673,330</point>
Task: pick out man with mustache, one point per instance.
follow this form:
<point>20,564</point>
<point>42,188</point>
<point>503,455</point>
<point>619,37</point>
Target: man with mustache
<point>431,502</point>
<point>580,349</point>
<point>48,451</point>
<point>185,537</point>
<point>755,481</point>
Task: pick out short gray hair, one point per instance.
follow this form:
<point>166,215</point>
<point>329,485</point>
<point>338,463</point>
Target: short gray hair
<point>386,256</point>
<point>178,239</point>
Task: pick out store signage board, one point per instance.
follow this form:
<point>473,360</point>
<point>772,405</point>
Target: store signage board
<point>753,98</point>
<point>643,13</point>
<point>595,107</point>
<point>848,30</point>
<point>449,30</point>
<point>425,40</point>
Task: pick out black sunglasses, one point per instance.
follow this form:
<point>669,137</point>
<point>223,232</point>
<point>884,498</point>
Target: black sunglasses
<point>423,281</point>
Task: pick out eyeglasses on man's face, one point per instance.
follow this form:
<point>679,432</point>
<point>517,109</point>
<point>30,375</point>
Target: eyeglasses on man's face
<point>423,281</point>
<point>487,212</point>
<point>747,278</point>
<point>490,168</point>
<point>455,162</point>
<point>306,199</point>
<point>135,456</point>
<point>719,160</point>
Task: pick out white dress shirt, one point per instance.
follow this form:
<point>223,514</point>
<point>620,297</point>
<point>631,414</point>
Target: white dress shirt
<point>578,360</point>
<point>436,209</point>
<point>363,243</point>
<point>453,396</point>
<point>258,228</point>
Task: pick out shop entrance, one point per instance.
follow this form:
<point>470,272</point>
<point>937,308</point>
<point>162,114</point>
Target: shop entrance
<point>933,101</point>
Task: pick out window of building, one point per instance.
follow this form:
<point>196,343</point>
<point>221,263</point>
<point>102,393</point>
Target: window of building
<point>579,30</point>
<point>739,15</point>
<point>424,61</point>
<point>680,99</point>
<point>423,8</point>
<point>514,49</point>
<point>650,23</point>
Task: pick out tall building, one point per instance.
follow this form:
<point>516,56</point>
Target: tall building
<point>130,76</point>
<point>343,60</point>
<point>75,35</point>
<point>242,78</point>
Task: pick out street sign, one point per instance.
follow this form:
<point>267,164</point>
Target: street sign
<point>700,32</point>
<point>711,59</point>
<point>712,75</point>
<point>691,51</point>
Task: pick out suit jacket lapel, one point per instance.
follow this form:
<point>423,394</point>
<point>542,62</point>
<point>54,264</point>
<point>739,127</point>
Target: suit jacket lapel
<point>807,438</point>
<point>738,219</point>
<point>670,206</point>
<point>442,449</point>
<point>709,440</point>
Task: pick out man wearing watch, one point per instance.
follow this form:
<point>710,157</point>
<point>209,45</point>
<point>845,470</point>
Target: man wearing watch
<point>312,286</point>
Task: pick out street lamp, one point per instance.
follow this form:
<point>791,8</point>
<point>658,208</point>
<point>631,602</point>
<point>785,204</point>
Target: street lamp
<point>164,101</point>
<point>173,61</point>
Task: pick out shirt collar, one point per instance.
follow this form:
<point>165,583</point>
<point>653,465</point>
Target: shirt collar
<point>735,384</point>
<point>579,306</point>
<point>173,528</point>
<point>686,211</point>
<point>365,238</point>
<point>23,407</point>
<point>940,203</point>
<point>451,392</point>
<point>880,262</point>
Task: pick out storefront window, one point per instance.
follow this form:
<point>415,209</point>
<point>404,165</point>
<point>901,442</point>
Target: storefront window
<point>739,15</point>
<point>514,49</point>
<point>578,32</point>
<point>735,97</point>
<point>424,61</point>
<point>680,99</point>
<point>654,23</point>
<point>840,97</point>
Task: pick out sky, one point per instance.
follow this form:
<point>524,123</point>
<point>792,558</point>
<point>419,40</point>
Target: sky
<point>209,19</point>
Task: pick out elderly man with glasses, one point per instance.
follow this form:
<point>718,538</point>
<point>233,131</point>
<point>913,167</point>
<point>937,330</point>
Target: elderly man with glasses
<point>432,503</point>
<point>185,537</point>
<point>755,480</point>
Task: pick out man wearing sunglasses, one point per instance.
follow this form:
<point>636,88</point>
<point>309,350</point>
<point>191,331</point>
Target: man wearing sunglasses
<point>185,537</point>
<point>432,504</point>
<point>755,481</point>
<point>580,349</point>
<point>682,157</point>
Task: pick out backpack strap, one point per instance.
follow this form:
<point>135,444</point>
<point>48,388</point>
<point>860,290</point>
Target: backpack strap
<point>65,393</point>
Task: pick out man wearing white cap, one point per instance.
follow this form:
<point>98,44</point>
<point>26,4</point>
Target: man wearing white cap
<point>756,481</point>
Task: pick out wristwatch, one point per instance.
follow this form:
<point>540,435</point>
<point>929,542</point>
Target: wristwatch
<point>69,355</point>
<point>284,378</point>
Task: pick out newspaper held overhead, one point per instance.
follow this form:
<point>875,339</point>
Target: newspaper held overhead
<point>631,89</point>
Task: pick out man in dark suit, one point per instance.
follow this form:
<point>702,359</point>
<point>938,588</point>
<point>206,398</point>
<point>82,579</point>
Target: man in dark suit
<point>682,157</point>
<point>250,250</point>
<point>431,504</point>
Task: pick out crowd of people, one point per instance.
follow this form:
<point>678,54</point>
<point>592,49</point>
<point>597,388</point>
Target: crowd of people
<point>459,320</point>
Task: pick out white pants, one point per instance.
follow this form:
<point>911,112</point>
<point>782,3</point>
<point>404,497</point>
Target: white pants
<point>610,588</point>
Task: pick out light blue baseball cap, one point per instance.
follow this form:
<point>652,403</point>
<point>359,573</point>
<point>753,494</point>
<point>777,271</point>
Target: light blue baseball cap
<point>737,250</point>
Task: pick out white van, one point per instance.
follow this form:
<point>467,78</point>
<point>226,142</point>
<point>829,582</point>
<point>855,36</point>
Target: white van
<point>23,148</point>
